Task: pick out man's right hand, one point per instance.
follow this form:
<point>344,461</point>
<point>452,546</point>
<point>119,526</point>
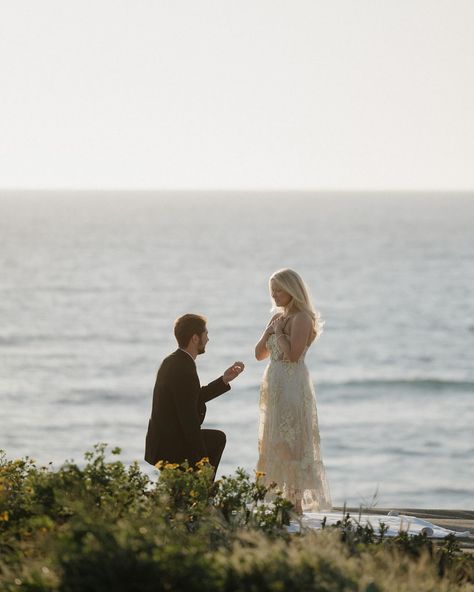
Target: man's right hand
<point>233,371</point>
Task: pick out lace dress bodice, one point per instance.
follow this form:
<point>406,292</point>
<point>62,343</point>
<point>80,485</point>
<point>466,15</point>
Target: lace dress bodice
<point>276,355</point>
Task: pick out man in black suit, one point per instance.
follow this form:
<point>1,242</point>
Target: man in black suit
<point>179,402</point>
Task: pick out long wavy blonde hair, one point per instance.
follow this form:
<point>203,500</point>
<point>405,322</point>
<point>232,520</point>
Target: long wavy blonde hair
<point>291,282</point>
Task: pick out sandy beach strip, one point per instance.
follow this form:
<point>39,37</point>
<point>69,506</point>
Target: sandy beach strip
<point>458,520</point>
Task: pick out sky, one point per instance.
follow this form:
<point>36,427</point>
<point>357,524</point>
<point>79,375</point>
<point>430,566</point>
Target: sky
<point>237,94</point>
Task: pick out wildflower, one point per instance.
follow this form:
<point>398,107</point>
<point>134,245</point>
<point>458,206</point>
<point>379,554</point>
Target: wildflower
<point>159,464</point>
<point>4,517</point>
<point>259,474</point>
<point>171,465</point>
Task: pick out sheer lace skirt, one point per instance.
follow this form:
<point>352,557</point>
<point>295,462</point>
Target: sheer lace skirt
<point>289,445</point>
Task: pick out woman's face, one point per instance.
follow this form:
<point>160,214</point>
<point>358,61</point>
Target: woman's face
<point>280,297</point>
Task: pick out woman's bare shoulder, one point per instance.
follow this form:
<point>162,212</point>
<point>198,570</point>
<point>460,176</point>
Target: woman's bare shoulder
<point>302,318</point>
<point>302,314</point>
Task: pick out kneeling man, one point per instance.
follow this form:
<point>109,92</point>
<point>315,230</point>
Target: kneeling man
<point>179,401</point>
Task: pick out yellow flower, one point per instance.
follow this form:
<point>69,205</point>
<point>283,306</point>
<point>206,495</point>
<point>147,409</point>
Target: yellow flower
<point>159,464</point>
<point>171,465</point>
<point>259,474</point>
<point>204,460</point>
<point>4,517</point>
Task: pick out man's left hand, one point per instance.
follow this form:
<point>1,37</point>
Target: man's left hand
<point>233,371</point>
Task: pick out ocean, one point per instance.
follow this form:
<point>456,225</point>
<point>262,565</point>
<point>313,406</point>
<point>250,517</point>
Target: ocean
<point>90,284</point>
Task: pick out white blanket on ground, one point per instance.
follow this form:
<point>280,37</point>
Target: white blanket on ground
<point>394,522</point>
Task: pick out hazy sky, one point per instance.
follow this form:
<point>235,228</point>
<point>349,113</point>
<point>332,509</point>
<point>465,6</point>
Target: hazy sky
<point>264,94</point>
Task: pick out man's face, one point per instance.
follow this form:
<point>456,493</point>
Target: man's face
<point>203,339</point>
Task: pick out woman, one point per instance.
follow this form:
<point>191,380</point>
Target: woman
<point>289,450</point>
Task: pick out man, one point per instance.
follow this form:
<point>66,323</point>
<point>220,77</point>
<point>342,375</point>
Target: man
<point>179,402</point>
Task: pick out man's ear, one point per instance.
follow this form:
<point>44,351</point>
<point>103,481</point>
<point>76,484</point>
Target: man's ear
<point>195,339</point>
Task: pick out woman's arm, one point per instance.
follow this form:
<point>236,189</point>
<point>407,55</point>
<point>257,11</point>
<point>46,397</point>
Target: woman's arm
<point>261,351</point>
<point>293,345</point>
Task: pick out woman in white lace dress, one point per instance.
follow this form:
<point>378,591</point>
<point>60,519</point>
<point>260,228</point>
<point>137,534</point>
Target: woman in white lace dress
<point>289,446</point>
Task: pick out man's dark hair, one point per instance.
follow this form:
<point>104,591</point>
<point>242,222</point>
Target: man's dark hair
<point>187,326</point>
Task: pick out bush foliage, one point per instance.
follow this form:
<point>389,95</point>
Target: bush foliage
<point>108,527</point>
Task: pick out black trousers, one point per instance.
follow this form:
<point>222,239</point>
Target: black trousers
<point>214,440</point>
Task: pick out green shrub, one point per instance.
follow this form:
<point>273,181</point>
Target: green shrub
<point>108,527</point>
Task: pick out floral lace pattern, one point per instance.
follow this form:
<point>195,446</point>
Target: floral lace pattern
<point>289,444</point>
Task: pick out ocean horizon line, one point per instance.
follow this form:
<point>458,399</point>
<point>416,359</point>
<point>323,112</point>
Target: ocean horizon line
<point>244,191</point>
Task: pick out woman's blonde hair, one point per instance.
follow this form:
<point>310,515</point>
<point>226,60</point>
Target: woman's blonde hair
<point>291,282</point>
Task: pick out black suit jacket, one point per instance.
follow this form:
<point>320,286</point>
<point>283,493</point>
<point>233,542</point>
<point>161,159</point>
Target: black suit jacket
<point>179,407</point>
